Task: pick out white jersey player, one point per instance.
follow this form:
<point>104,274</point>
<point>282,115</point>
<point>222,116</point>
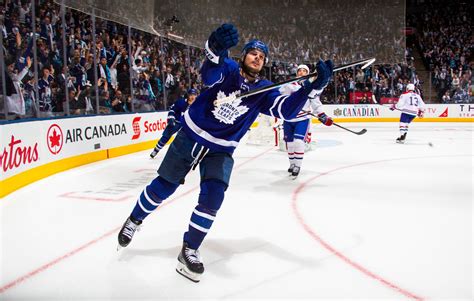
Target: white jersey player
<point>411,105</point>
<point>297,130</point>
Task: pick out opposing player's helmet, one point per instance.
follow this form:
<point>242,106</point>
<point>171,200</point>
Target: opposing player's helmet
<point>256,44</point>
<point>304,67</point>
<point>410,87</point>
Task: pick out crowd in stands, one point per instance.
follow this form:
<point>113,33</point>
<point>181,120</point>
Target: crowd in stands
<point>162,70</point>
<point>387,81</point>
<point>446,42</point>
<point>306,29</point>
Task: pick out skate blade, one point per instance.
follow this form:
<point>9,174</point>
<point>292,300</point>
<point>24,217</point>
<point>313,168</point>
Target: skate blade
<point>293,177</point>
<point>183,270</point>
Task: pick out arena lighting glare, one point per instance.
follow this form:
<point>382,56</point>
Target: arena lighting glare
<point>173,36</point>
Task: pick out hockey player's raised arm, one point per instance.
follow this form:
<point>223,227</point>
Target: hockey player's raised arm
<point>288,106</point>
<point>315,103</point>
<point>215,67</point>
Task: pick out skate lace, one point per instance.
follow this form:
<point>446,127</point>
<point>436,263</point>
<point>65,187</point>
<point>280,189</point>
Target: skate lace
<point>192,256</point>
<point>129,229</point>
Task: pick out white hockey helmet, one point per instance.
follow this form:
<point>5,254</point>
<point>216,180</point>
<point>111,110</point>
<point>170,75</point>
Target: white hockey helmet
<point>410,87</point>
<point>302,66</point>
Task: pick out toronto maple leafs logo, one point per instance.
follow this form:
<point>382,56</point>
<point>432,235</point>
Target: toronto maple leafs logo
<point>228,111</point>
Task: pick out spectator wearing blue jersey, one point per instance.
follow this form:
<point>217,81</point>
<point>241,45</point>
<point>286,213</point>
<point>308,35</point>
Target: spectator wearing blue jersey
<point>45,92</point>
<point>212,129</point>
<point>174,120</point>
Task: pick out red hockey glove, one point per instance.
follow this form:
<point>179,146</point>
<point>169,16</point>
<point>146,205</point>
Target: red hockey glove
<point>325,119</point>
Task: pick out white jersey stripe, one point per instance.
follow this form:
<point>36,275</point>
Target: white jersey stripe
<point>274,105</point>
<point>205,135</point>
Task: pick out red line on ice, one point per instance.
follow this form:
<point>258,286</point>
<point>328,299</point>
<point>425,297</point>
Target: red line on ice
<point>333,250</point>
<point>70,195</point>
<point>50,264</point>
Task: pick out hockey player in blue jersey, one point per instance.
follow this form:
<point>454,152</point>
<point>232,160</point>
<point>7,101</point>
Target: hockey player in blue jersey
<point>297,130</point>
<point>174,120</point>
<point>211,132</point>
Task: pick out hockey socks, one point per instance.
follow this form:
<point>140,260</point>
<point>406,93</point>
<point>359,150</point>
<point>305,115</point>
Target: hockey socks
<point>210,200</point>
<point>152,196</point>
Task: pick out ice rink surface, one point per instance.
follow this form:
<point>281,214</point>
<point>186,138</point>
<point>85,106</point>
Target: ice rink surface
<point>366,219</point>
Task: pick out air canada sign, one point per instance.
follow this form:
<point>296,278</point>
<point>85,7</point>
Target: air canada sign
<point>95,132</point>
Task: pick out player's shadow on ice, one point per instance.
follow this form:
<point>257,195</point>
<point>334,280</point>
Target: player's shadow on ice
<point>219,252</point>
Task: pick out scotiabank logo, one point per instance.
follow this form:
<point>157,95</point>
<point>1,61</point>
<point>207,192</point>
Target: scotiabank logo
<point>136,127</point>
<point>16,155</point>
<point>55,139</point>
<point>155,126</point>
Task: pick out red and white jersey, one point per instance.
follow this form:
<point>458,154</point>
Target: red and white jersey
<point>313,104</point>
<point>410,102</point>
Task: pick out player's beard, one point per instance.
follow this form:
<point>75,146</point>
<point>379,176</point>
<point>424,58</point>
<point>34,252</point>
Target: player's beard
<point>251,71</point>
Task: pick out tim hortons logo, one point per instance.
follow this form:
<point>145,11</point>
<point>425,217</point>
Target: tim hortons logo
<point>136,127</point>
<point>16,155</point>
<point>55,139</point>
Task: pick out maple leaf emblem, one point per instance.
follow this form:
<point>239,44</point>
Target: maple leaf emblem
<point>228,111</point>
<point>54,139</point>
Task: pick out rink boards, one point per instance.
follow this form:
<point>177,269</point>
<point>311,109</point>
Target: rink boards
<point>34,149</point>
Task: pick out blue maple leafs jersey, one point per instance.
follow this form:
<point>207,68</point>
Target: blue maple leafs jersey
<point>221,127</point>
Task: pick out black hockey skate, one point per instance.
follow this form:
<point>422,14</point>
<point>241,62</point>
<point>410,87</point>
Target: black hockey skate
<point>190,264</point>
<point>128,230</point>
<point>290,169</point>
<point>401,139</point>
<point>154,153</point>
<point>295,172</point>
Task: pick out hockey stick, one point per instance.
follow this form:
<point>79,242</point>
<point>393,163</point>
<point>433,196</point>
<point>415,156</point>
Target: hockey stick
<point>375,102</point>
<point>365,62</point>
<point>361,132</point>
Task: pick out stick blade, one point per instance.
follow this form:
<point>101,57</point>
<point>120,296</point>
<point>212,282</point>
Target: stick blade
<point>362,132</point>
<point>370,62</point>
